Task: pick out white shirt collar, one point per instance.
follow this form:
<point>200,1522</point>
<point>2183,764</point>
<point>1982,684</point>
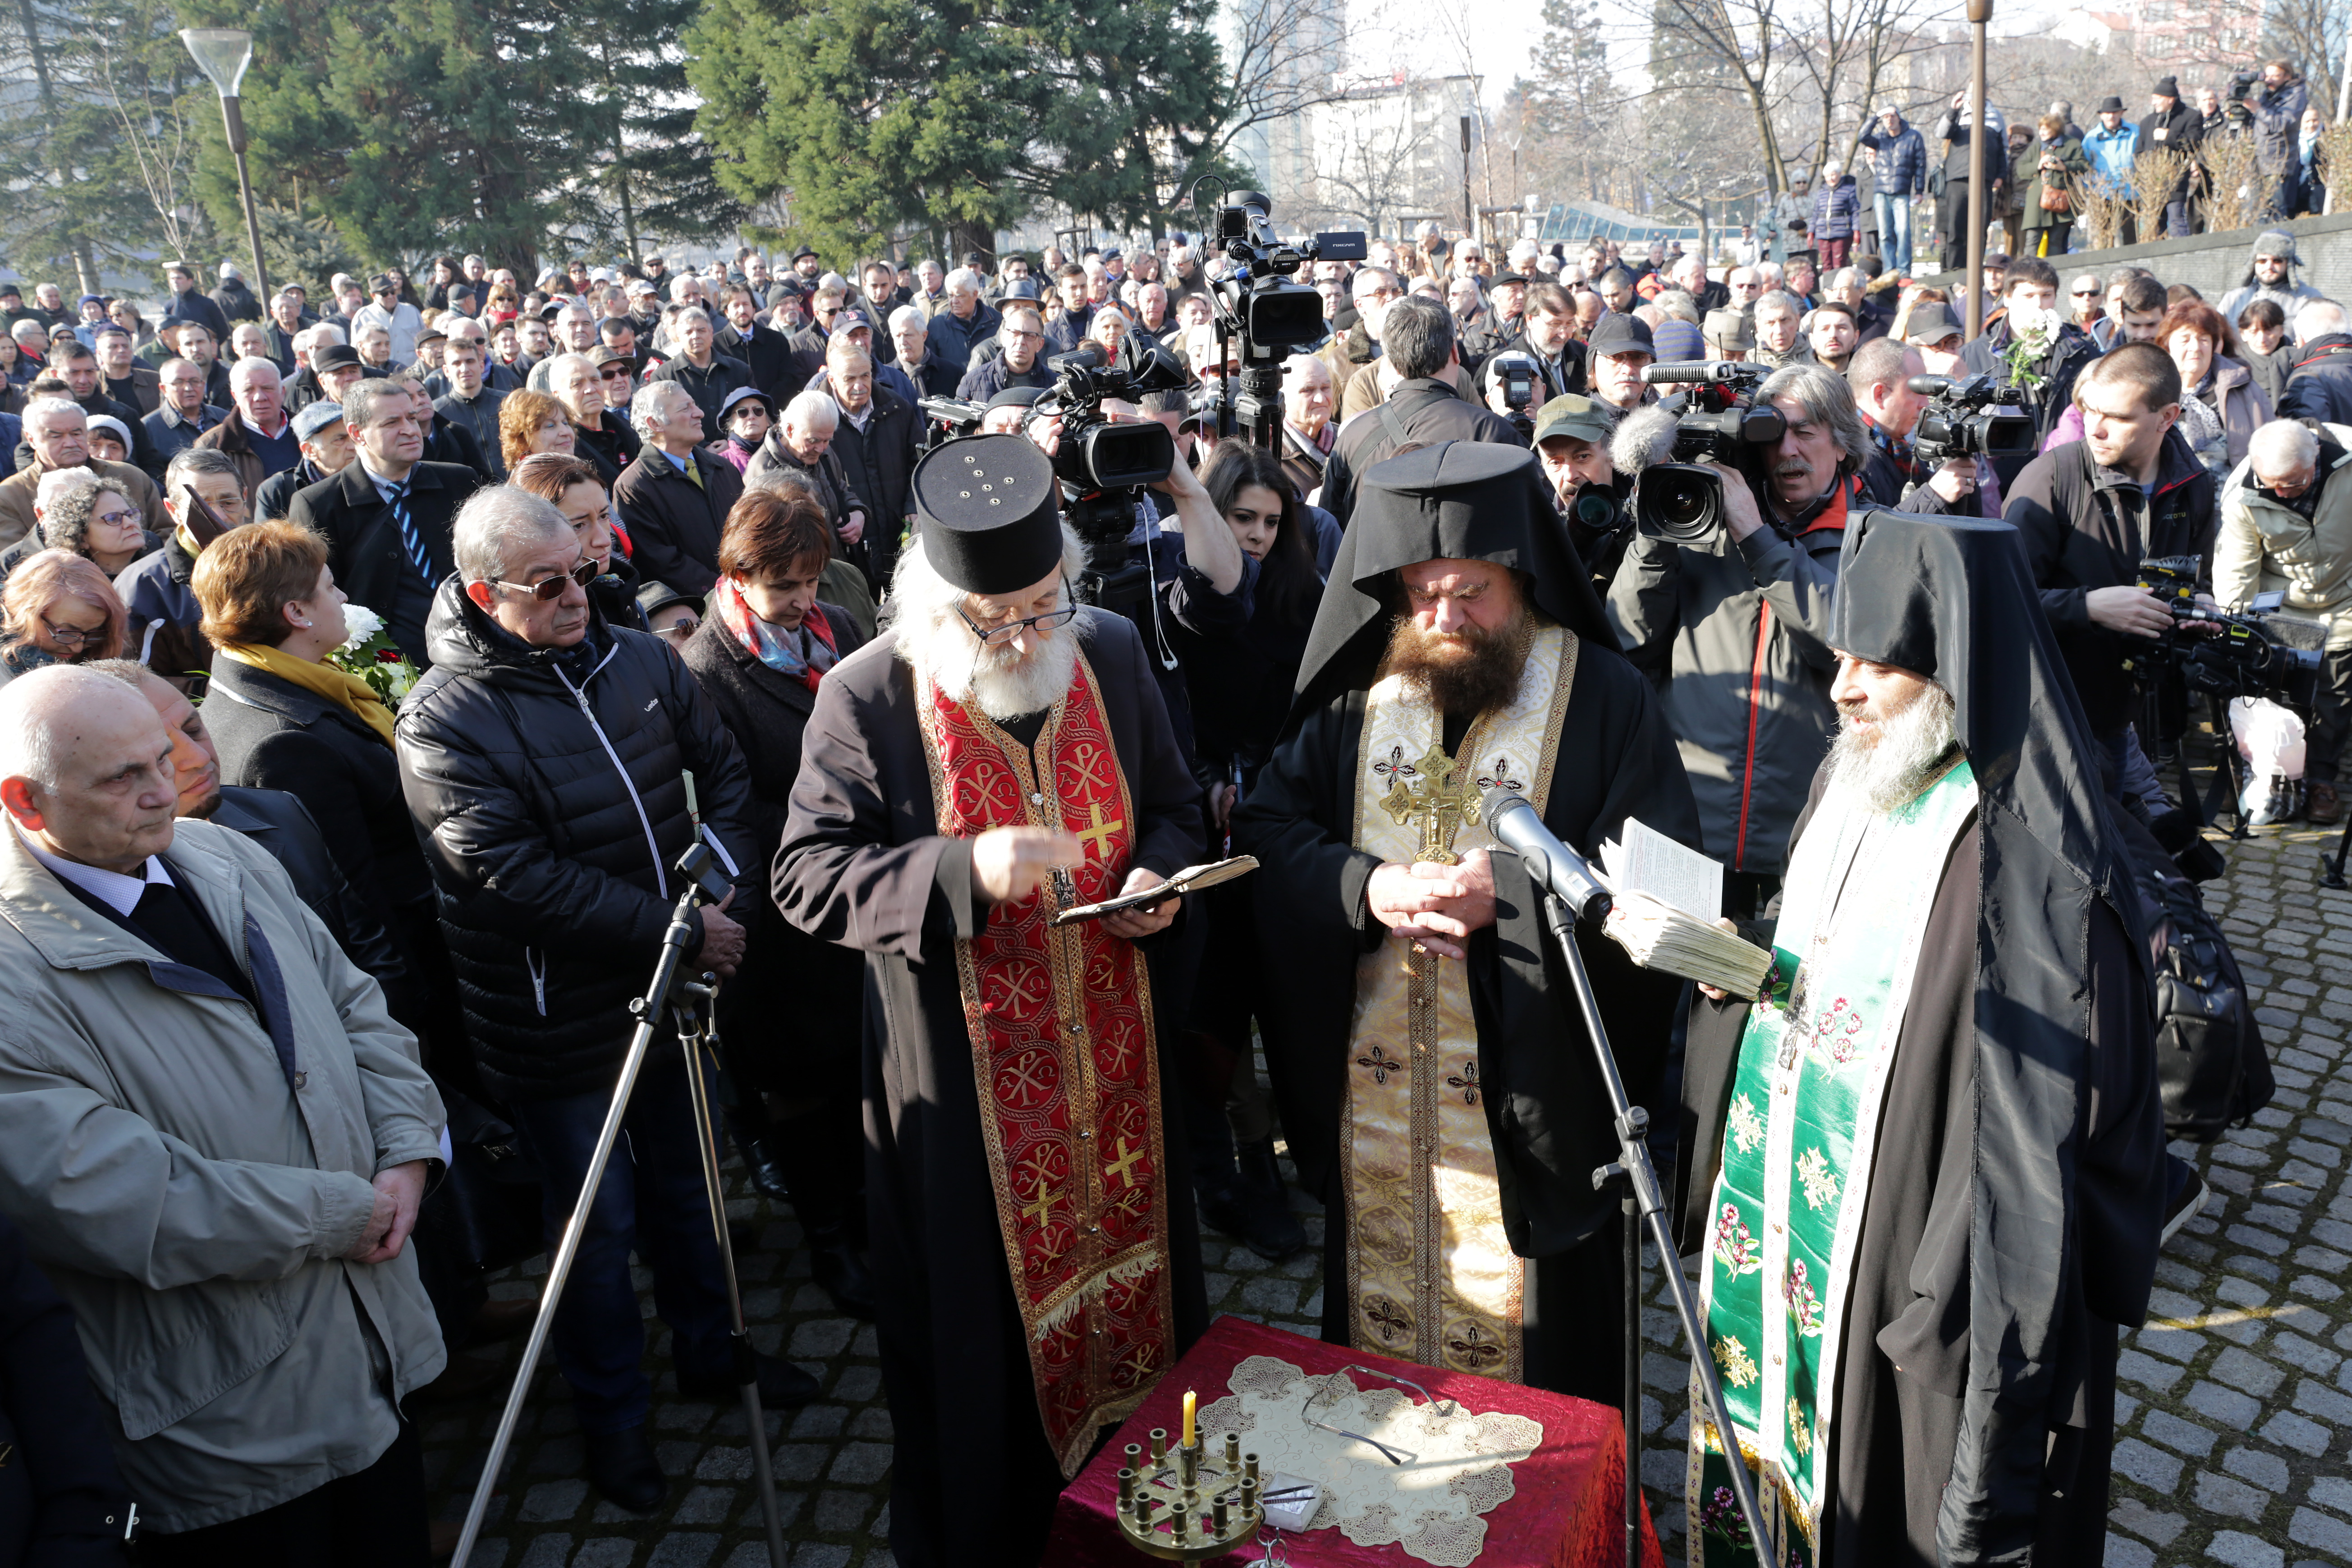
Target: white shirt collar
<point>112,888</point>
<point>383,487</point>
<point>283,423</point>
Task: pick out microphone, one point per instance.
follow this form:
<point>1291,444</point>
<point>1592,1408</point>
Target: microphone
<point>1558,869</point>
<point>1645,437</point>
<point>1696,370</point>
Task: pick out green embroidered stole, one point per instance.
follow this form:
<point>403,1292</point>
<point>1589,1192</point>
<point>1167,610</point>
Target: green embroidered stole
<point>1797,1145</point>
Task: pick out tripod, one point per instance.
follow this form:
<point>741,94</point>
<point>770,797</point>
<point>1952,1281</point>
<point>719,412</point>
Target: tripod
<point>688,1006</point>
<point>1637,1182</point>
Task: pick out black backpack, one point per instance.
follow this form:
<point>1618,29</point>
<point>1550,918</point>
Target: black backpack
<point>2210,1058</point>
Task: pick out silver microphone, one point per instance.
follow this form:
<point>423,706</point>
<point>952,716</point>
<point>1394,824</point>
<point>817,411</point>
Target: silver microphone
<point>1558,869</point>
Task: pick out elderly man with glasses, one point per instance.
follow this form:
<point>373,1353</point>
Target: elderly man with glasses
<point>556,884</point>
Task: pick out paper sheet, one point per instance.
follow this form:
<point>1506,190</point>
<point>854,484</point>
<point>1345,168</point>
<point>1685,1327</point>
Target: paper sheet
<point>1650,862</point>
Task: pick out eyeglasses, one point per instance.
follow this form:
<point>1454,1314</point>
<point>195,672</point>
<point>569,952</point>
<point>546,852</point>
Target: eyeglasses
<point>117,519</point>
<point>1025,337</point>
<point>1339,1380</point>
<point>997,636</point>
<point>2086,293</point>
<point>70,637</point>
<point>552,587</point>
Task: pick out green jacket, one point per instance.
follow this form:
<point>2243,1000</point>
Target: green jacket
<point>2067,152</point>
<point>192,1201</point>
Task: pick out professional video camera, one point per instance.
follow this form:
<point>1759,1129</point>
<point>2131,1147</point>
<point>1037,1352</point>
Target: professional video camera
<point>2259,653</point>
<point>1969,417</point>
<point>1104,464</point>
<point>1716,421</point>
<point>950,417</point>
<point>1258,302</point>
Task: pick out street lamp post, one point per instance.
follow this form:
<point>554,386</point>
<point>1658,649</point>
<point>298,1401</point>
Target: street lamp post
<point>223,54</point>
<point>1979,19</point>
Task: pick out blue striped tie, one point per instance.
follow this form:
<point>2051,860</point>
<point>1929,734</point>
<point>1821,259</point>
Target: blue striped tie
<point>410,539</point>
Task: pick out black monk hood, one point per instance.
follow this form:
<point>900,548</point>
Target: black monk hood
<point>1950,598</point>
<point>1454,501</point>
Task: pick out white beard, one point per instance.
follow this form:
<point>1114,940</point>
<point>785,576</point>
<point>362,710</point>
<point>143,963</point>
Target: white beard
<point>999,682</point>
<point>1894,760</point>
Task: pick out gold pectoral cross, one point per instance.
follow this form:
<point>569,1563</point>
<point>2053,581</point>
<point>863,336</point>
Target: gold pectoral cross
<point>1445,802</point>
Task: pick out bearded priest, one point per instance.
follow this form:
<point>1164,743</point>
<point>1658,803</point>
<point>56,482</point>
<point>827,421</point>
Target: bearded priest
<point>1926,1189</point>
<point>1428,1055</point>
<point>998,754</point>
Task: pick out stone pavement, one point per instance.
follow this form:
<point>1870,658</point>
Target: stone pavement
<point>2233,1416</point>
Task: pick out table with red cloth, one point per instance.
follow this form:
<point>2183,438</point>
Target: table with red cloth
<point>1567,1509</point>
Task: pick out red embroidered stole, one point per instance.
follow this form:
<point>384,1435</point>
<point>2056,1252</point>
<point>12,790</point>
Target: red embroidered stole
<point>1064,1054</point>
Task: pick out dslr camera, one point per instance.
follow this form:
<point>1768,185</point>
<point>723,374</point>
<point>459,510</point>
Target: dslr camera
<point>1717,420</point>
<point>1259,301</point>
<point>1969,418</point>
<point>1520,377</point>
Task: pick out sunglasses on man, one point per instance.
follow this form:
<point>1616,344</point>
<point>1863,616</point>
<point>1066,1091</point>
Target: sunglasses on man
<point>552,587</point>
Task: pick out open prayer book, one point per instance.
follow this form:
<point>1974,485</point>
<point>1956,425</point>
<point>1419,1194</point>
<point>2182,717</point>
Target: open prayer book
<point>1190,879</point>
<point>1666,897</point>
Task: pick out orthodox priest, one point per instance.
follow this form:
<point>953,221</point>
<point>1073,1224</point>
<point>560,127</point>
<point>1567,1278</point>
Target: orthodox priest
<point>997,755</point>
<point>1432,1066</point>
<point>1926,1188</point>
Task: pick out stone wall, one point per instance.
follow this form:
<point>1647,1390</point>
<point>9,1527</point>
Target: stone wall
<point>2214,264</point>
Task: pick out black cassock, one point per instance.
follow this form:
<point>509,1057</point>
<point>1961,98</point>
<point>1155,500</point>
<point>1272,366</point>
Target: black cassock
<point>1903,1369</point>
<point>1545,1108</point>
<point>973,1479</point>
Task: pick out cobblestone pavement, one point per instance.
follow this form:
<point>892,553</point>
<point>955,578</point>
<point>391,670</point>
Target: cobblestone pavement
<point>2233,1413</point>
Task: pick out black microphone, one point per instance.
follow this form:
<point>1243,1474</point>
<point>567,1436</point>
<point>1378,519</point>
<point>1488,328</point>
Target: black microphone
<point>1558,869</point>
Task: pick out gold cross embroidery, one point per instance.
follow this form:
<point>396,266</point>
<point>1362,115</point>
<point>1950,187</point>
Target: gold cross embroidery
<point>1445,804</point>
<point>1100,831</point>
<point>1124,1166</point>
<point>1035,1210</point>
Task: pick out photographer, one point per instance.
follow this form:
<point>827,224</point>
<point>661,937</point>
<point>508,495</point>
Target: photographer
<point>1548,337</point>
<point>2286,527</point>
<point>1734,636</point>
<point>2089,511</point>
<point>1571,439</point>
<point>1420,410</point>
<point>1880,377</point>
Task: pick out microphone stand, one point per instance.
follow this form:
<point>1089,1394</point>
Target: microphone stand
<point>689,1015</point>
<point>1637,1181</point>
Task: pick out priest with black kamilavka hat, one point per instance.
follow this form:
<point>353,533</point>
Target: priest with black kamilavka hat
<point>1432,1070</point>
<point>998,754</point>
<point>1924,1168</point>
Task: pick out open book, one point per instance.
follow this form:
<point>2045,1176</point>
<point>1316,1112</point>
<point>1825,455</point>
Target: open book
<point>1664,912</point>
<point>1190,879</point>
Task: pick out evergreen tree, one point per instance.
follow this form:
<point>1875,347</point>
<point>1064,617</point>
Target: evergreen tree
<point>877,119</point>
<point>462,124</point>
<point>657,172</point>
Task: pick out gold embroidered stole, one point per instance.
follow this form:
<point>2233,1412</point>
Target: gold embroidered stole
<point>1429,1275</point>
<point>1064,1061</point>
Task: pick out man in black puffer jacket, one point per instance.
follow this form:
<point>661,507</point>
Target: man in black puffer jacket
<point>544,758</point>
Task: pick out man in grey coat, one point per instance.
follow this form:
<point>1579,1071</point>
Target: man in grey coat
<point>214,1138</point>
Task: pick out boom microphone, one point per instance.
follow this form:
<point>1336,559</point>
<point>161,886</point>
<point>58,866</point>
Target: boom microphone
<point>1702,369</point>
<point>1645,437</point>
<point>1558,869</point>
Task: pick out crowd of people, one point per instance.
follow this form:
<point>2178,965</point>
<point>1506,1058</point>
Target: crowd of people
<point>641,557</point>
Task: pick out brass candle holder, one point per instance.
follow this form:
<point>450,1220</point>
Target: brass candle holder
<point>1178,1506</point>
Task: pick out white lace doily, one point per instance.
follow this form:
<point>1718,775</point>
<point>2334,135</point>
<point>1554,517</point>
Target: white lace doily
<point>1431,1505</point>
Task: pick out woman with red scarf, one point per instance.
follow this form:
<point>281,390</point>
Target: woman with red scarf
<point>791,1017</point>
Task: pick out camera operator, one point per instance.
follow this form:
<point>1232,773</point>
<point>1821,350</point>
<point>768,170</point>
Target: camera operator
<point>1735,635</point>
<point>1548,337</point>
<point>1571,439</point>
<point>1621,349</point>
<point>2089,511</point>
<point>2286,526</point>
<point>1422,407</point>
<point>1880,377</point>
<point>552,861</point>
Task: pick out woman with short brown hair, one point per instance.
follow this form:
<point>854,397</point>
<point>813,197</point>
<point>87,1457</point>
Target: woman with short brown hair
<point>574,488</point>
<point>2230,406</point>
<point>530,422</point>
<point>791,1017</point>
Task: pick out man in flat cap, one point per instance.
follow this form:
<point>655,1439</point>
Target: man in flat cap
<point>1434,1072</point>
<point>999,756</point>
